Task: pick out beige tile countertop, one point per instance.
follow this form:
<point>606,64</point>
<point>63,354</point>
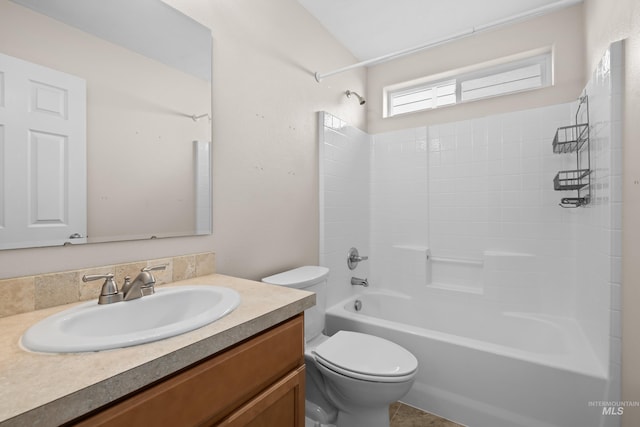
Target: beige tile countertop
<point>38,389</point>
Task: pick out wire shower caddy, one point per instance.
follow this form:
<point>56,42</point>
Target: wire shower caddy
<point>575,139</point>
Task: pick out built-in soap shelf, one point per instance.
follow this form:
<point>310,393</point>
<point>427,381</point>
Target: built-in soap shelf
<point>413,265</point>
<point>574,139</point>
<point>456,274</point>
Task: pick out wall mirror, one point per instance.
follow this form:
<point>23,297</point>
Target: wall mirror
<point>109,138</point>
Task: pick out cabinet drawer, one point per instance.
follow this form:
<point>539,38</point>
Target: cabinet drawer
<point>280,405</point>
<point>212,389</point>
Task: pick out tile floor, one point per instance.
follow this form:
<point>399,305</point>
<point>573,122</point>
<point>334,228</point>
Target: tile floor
<point>402,415</point>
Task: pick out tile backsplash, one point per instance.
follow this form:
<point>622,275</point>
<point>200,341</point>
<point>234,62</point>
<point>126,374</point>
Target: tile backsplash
<point>29,293</point>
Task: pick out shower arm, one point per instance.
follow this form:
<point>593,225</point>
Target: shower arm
<point>196,118</point>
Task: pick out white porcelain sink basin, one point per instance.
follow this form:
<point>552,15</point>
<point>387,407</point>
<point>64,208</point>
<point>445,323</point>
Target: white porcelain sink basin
<point>91,327</point>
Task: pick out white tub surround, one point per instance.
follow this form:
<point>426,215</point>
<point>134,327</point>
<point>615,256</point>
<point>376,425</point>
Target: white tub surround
<point>485,368</point>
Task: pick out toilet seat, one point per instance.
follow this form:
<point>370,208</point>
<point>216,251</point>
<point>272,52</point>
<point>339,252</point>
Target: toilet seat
<point>366,357</point>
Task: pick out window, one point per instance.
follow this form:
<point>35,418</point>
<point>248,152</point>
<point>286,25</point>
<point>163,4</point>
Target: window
<point>502,83</point>
<point>424,97</point>
<point>510,76</point>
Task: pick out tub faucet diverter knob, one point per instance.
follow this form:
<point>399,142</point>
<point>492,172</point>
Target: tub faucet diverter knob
<point>353,258</point>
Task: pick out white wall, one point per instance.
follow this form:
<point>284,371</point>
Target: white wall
<point>265,100</point>
<point>265,148</point>
<point>561,30</point>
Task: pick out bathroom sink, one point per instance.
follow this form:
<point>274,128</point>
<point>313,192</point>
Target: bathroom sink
<point>92,327</point>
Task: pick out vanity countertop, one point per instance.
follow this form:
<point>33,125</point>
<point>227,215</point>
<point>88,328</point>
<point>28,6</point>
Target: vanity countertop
<point>38,389</point>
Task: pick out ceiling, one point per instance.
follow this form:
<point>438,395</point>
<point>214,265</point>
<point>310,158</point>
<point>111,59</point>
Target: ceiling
<point>373,28</point>
<point>186,47</point>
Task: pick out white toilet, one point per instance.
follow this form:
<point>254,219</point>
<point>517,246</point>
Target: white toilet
<point>351,377</point>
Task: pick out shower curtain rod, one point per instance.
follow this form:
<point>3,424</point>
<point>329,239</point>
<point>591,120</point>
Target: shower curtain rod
<point>538,11</point>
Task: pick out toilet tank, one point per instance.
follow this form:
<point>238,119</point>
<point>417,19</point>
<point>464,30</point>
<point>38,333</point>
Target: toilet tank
<point>313,279</point>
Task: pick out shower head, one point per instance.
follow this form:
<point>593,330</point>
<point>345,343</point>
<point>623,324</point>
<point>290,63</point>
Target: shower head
<point>361,100</point>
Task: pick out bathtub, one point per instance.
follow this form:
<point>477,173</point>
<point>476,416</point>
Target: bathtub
<point>484,368</point>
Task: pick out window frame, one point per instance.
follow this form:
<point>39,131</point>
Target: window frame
<point>542,58</point>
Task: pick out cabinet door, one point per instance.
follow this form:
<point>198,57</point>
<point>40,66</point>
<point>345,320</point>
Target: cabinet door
<point>213,390</point>
<point>280,405</point>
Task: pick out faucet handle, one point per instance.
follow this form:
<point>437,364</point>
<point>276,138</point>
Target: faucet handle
<point>109,292</point>
<point>155,267</point>
<point>353,258</point>
<point>109,287</point>
<point>148,288</point>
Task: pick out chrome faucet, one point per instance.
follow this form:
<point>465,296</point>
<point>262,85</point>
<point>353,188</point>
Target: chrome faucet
<point>142,285</point>
<point>131,290</point>
<point>359,282</point>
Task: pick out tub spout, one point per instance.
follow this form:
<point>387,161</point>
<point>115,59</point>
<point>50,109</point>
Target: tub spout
<point>359,282</point>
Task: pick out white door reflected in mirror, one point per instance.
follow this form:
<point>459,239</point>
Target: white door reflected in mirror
<point>145,154</point>
<point>43,148</point>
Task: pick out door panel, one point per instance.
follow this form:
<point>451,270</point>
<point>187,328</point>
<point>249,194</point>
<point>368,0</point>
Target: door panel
<point>47,169</point>
<point>43,151</point>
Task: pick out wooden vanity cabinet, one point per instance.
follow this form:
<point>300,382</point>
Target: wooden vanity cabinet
<point>257,383</point>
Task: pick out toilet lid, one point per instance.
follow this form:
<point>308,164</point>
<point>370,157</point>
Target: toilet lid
<point>300,277</point>
<point>353,352</point>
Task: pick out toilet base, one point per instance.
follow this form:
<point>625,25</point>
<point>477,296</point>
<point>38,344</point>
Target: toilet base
<point>308,422</point>
<point>321,417</point>
<point>364,417</point>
